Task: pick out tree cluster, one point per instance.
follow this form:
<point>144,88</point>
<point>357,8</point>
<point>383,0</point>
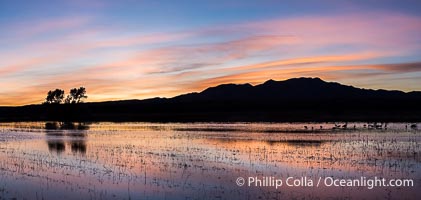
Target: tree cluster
<point>76,95</point>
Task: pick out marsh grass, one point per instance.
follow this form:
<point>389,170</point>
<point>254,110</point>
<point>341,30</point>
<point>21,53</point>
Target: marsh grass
<point>201,160</point>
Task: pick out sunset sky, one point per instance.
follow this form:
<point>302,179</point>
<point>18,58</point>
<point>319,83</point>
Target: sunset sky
<point>141,49</point>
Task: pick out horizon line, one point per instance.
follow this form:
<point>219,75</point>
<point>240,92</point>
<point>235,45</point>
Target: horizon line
<point>196,92</point>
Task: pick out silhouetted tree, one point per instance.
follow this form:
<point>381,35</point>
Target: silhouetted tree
<point>76,95</point>
<point>54,96</point>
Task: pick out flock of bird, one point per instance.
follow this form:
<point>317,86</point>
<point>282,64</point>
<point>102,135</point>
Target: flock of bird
<point>374,125</point>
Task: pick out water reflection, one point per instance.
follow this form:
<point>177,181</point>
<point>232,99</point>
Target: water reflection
<point>66,126</point>
<point>154,161</point>
<point>56,146</point>
<point>78,147</point>
<point>59,146</point>
<point>73,133</point>
<point>302,143</point>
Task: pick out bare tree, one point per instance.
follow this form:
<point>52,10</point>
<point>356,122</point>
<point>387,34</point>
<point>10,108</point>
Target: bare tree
<point>76,95</point>
<point>54,96</point>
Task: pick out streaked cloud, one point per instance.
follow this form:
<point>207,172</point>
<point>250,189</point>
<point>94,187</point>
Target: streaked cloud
<point>115,60</point>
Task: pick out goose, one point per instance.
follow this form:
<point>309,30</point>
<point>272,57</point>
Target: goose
<point>345,126</point>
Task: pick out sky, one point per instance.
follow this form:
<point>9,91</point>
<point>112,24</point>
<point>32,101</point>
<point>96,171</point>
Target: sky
<point>133,49</point>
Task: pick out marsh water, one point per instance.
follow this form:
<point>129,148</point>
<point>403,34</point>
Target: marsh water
<point>204,160</point>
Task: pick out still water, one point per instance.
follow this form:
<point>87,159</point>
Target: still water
<point>205,160</point>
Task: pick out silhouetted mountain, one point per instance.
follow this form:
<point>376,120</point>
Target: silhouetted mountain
<point>291,89</point>
<point>297,99</point>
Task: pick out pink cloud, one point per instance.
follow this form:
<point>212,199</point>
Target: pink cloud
<point>371,30</point>
<point>142,66</point>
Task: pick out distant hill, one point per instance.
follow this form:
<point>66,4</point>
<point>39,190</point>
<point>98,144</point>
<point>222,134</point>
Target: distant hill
<point>297,99</point>
<point>292,89</point>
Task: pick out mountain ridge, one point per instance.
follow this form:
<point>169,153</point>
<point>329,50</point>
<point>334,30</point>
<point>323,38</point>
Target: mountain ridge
<point>297,99</point>
<point>292,88</point>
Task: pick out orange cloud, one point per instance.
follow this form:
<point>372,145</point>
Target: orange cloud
<point>115,65</point>
<point>152,86</point>
<point>309,61</point>
<point>334,73</point>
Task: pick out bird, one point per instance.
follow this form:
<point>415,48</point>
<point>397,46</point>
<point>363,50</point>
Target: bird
<point>345,126</point>
<point>378,126</point>
<point>337,126</point>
